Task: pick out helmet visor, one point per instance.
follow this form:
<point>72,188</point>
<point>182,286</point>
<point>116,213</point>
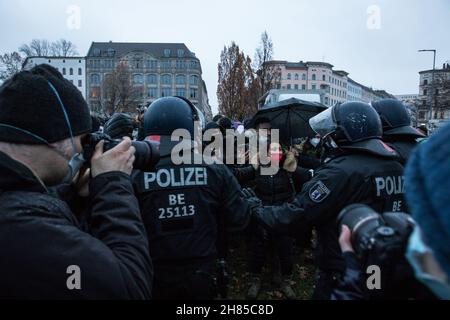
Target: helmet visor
<point>324,123</point>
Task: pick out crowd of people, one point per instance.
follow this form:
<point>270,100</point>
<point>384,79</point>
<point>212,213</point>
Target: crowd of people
<point>77,194</point>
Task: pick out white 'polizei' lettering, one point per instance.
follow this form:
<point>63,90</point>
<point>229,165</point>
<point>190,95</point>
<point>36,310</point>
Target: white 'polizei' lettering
<point>391,185</point>
<point>176,177</point>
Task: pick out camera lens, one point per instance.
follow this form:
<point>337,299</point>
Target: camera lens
<point>147,155</point>
<point>363,221</point>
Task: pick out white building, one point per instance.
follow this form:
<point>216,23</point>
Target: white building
<point>354,91</point>
<point>407,97</point>
<point>72,68</point>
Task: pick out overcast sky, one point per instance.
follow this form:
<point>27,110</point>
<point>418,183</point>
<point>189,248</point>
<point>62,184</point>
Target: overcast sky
<point>381,53</point>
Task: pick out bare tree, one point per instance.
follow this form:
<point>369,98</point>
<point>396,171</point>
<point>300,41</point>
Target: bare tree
<point>118,93</point>
<point>10,64</point>
<point>235,80</point>
<point>63,48</point>
<point>43,48</point>
<point>37,48</point>
<point>268,74</point>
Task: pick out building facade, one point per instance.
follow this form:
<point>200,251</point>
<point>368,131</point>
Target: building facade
<point>157,70</point>
<point>407,97</point>
<point>335,85</point>
<point>434,97</point>
<point>72,68</point>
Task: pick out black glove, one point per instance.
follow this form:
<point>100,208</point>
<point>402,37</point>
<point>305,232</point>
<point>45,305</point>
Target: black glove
<point>250,197</point>
<point>119,126</point>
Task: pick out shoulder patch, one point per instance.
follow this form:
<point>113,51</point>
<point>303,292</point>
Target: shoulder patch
<point>319,192</point>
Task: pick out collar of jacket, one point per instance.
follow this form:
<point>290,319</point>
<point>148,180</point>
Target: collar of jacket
<point>15,176</point>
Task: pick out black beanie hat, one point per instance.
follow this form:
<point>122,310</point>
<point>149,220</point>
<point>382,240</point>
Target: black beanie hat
<point>44,104</point>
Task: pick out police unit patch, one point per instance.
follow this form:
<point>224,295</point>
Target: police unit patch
<point>319,192</point>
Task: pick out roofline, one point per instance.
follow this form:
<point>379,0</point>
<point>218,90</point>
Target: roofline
<point>435,70</point>
<point>155,43</point>
<point>55,57</point>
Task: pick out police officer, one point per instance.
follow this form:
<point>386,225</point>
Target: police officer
<point>359,169</point>
<point>397,130</point>
<point>181,205</point>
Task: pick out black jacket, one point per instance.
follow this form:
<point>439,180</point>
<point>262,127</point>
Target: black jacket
<point>402,145</point>
<point>40,238</point>
<point>356,177</point>
<point>181,206</point>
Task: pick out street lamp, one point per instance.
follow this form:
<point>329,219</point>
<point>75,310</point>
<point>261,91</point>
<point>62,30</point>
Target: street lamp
<point>432,81</point>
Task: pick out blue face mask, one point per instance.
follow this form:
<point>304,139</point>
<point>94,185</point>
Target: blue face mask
<point>416,249</point>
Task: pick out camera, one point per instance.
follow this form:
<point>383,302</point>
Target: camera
<point>146,156</point>
<point>376,234</point>
<point>381,240</point>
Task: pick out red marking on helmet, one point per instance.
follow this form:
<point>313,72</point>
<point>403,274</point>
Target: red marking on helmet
<point>155,139</point>
<point>387,147</point>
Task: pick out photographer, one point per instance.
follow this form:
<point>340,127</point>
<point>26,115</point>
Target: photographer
<point>43,123</point>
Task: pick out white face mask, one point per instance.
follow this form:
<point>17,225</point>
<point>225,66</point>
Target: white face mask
<point>315,142</point>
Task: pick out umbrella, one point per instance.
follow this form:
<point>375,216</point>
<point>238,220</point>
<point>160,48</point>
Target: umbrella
<point>291,117</point>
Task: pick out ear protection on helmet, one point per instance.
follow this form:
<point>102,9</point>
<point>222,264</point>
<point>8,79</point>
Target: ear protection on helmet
<point>195,115</point>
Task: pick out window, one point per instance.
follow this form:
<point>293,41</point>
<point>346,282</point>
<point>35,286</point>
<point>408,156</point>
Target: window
<point>80,71</point>
<point>166,64</point>
<point>324,78</point>
<point>152,93</point>
<point>289,87</point>
<point>152,64</point>
<point>181,92</point>
<point>111,52</point>
<point>314,77</point>
<point>425,92</point>
<point>167,53</point>
<point>97,52</point>
<point>137,64</point>
<point>296,87</point>
<point>181,64</point>
<point>71,71</point>
<point>138,79</point>
<point>180,53</point>
<point>193,94</point>
<point>108,63</point>
<point>303,86</point>
<point>425,82</point>
<point>194,64</point>
<point>194,81</point>
<point>303,76</point>
<point>437,93</point>
<point>64,71</point>
<point>313,87</point>
<point>422,115</point>
<point>289,76</point>
<point>296,76</point>
<point>152,79</point>
<point>166,92</point>
<point>166,79</point>
<point>181,79</point>
<point>80,83</point>
<point>95,79</point>
<point>95,92</point>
